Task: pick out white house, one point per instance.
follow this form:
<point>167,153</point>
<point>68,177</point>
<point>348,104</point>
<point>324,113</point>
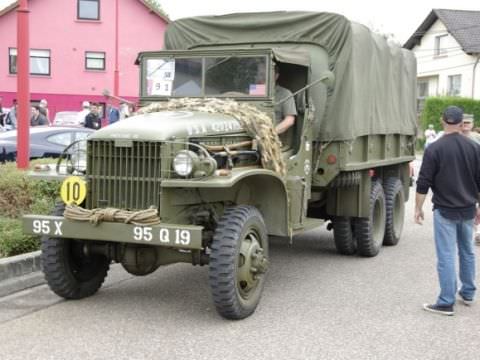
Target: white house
<point>447,47</point>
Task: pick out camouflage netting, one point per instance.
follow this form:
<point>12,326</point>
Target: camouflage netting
<point>257,124</point>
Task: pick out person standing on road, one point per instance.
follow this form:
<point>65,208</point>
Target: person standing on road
<point>11,118</point>
<point>37,118</point>
<point>83,113</point>
<point>113,115</point>
<point>430,135</point>
<point>468,124</point>
<point>451,168</point>
<point>2,115</point>
<point>92,120</point>
<point>467,129</point>
<point>43,106</point>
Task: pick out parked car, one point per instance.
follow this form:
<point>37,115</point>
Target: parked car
<point>44,141</point>
<point>67,118</point>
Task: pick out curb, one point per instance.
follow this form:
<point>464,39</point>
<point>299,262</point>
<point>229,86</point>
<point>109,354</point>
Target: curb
<point>20,272</point>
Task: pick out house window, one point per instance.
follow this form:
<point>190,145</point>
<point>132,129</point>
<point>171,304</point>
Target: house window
<point>440,45</point>
<point>39,61</point>
<point>12,61</point>
<point>88,9</point>
<point>94,60</point>
<point>454,85</point>
<point>422,90</point>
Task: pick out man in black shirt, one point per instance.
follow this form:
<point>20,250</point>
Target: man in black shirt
<point>92,120</point>
<point>451,168</point>
<point>37,118</point>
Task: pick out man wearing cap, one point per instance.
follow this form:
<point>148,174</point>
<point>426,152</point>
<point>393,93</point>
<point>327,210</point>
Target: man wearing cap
<point>451,168</point>
<point>83,114</point>
<point>468,123</point>
<point>468,127</point>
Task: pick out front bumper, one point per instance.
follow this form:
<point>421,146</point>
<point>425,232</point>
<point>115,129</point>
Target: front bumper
<point>169,235</point>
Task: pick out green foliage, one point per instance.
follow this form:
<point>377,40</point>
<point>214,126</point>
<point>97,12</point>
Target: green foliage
<point>420,143</point>
<point>434,107</point>
<point>12,239</point>
<point>20,195</point>
<point>155,5</point>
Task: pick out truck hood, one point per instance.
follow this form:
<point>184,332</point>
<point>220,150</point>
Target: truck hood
<point>169,125</point>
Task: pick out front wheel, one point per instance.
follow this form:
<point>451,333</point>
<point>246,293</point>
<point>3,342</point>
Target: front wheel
<point>238,262</point>
<point>69,272</point>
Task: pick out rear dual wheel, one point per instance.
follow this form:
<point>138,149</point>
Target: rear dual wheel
<point>345,241</point>
<point>369,232</point>
<point>395,208</point>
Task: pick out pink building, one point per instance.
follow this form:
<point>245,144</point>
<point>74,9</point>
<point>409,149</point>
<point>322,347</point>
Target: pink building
<point>73,52</point>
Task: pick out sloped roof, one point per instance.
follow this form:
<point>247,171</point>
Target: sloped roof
<point>463,25</point>
<point>9,6</point>
<point>14,3</point>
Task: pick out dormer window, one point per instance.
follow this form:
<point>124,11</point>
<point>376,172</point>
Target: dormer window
<point>88,10</point>
<point>441,45</point>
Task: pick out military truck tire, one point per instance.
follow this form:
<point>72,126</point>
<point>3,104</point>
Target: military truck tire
<point>238,262</point>
<point>345,242</point>
<point>68,271</point>
<point>370,231</point>
<point>395,210</point>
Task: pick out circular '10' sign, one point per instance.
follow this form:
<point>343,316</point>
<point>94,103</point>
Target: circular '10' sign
<point>73,190</point>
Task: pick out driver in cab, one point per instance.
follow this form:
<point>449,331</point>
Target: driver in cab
<point>285,112</point>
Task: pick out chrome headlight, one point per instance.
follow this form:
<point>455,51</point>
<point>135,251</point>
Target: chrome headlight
<point>185,162</point>
<point>77,157</point>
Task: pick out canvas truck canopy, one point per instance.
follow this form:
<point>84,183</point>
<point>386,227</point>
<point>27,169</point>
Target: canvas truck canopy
<point>375,83</point>
<point>292,56</point>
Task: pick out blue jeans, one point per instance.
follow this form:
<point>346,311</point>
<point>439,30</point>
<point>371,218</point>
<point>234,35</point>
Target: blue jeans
<point>449,235</point>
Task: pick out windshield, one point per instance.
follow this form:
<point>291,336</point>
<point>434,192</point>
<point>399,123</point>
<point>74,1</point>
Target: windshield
<point>210,76</point>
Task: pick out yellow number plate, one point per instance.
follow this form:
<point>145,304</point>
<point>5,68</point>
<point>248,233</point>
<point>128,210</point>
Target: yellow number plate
<point>73,190</point>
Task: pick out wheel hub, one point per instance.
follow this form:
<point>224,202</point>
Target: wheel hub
<point>252,263</point>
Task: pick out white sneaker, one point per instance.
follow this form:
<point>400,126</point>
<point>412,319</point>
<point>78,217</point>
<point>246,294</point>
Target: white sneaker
<point>477,238</point>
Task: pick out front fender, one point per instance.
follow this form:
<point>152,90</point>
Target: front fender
<point>220,181</point>
<point>261,188</point>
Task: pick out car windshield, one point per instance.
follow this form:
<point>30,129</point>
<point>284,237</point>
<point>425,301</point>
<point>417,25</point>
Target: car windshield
<point>210,76</point>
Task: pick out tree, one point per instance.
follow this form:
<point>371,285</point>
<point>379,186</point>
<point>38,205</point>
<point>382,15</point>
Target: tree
<point>155,5</point>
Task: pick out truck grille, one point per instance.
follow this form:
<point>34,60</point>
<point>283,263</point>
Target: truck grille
<point>124,174</point>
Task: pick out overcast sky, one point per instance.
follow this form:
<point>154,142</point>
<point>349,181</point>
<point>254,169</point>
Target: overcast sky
<point>401,17</point>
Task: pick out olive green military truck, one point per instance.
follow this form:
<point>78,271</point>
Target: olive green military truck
<point>199,176</point>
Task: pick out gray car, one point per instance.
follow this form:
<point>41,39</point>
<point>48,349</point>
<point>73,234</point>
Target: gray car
<point>44,141</point>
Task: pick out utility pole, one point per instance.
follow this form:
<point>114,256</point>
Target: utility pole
<point>23,86</point>
<point>116,74</point>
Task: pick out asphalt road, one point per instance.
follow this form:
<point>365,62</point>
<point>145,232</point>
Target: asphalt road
<point>316,305</point>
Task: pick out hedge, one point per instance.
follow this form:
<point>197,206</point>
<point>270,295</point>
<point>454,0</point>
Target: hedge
<point>21,195</point>
<point>434,107</point>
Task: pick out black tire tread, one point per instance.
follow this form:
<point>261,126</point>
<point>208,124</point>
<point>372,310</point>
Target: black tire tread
<point>363,226</point>
<point>343,235</point>
<point>391,188</point>
<point>55,268</point>
<point>223,258</point>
